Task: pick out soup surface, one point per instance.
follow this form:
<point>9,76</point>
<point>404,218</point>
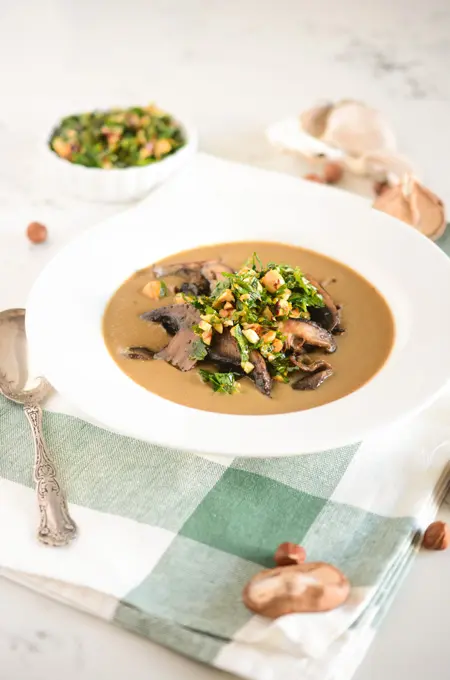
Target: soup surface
<point>361,350</point>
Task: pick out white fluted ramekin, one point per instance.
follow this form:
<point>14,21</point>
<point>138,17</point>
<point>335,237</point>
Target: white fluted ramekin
<point>115,185</point>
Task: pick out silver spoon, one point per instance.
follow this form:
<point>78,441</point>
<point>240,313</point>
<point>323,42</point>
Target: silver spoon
<point>56,526</point>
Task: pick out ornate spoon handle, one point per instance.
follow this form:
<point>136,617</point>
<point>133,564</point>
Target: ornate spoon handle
<point>56,527</point>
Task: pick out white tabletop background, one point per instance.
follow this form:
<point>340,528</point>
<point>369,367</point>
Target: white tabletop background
<point>232,68</point>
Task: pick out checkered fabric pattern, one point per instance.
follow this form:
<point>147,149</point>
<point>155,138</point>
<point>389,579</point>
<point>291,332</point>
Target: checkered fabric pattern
<point>168,539</point>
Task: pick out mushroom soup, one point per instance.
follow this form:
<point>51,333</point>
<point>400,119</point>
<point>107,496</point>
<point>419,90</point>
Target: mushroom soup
<point>220,329</point>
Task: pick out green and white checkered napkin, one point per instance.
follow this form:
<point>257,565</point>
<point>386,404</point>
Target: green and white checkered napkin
<point>168,539</point>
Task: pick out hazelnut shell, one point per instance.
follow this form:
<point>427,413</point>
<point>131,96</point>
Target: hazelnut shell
<point>37,232</point>
<point>313,177</point>
<point>332,172</point>
<point>289,553</point>
<point>437,536</point>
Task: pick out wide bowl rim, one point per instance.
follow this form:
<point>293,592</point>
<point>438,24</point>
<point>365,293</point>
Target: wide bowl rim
<point>263,445</point>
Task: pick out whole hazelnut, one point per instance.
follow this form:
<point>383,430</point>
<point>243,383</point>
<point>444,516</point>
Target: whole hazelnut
<point>437,536</point>
<point>289,553</point>
<point>312,177</point>
<point>332,172</point>
<point>37,232</point>
<point>380,187</point>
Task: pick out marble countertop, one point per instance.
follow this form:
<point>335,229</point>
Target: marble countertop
<point>232,68</point>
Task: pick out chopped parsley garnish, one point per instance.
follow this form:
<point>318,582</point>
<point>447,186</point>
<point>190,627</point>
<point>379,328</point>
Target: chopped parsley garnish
<point>242,343</point>
<point>198,350</point>
<point>220,382</point>
<point>253,304</point>
<point>303,293</point>
<point>282,366</point>
<point>254,262</point>
<point>163,291</point>
<point>117,138</point>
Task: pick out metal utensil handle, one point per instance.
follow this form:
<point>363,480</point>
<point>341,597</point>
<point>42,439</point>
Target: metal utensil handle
<point>56,526</point>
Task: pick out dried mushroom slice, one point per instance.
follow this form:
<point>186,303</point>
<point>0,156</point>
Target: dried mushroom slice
<point>138,353</point>
<point>300,588</point>
<point>416,205</point>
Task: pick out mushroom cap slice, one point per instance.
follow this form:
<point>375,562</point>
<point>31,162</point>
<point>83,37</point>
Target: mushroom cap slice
<point>358,129</point>
<point>138,353</point>
<point>313,380</point>
<point>416,205</point>
<point>300,588</point>
<point>214,270</point>
<point>200,276</point>
<point>177,268</point>
<point>225,351</point>
<point>174,317</point>
<point>328,316</point>
<point>260,375</point>
<point>307,364</point>
<point>177,321</point>
<point>314,121</point>
<point>311,333</point>
<point>178,352</point>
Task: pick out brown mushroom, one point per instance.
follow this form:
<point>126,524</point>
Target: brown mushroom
<point>314,121</point>
<point>174,317</point>
<point>177,268</point>
<point>194,281</point>
<point>177,321</point>
<point>225,351</point>
<point>179,351</point>
<point>200,276</point>
<point>295,344</point>
<point>214,270</point>
<point>313,380</point>
<point>416,205</point>
<point>138,353</point>
<point>311,333</point>
<point>327,316</point>
<point>306,587</point>
<point>308,365</point>
<point>260,375</point>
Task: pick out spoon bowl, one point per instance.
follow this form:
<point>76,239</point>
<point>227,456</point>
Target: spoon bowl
<point>16,383</point>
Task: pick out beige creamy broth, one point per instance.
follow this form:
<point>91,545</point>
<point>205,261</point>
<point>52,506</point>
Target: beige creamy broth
<point>360,353</point>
